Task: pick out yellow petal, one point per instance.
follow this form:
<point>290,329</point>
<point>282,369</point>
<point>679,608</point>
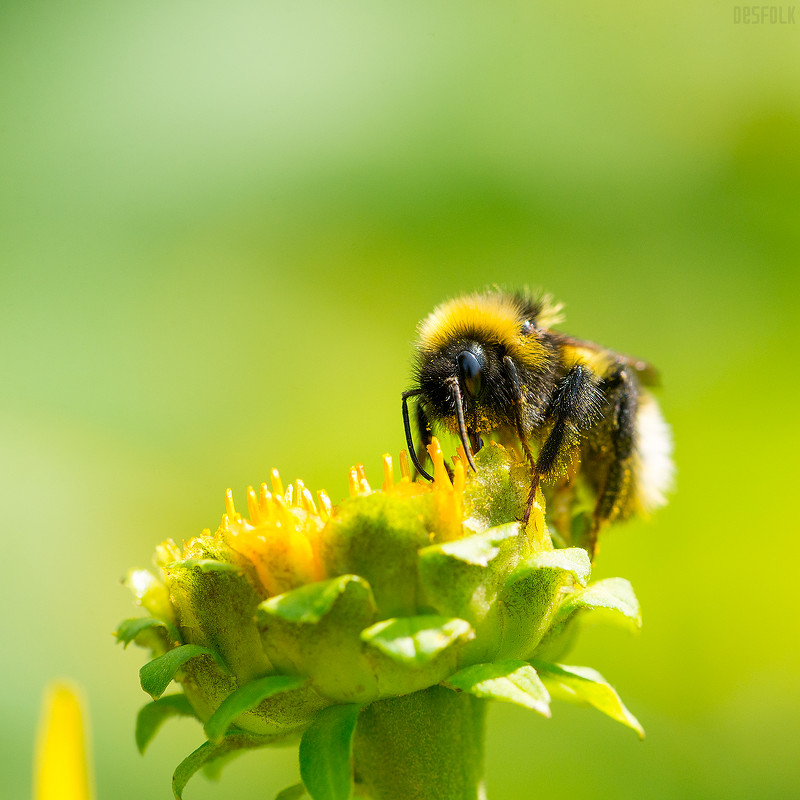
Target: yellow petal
<point>61,759</point>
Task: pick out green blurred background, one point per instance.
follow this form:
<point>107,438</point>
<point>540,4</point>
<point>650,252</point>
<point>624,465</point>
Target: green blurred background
<point>219,225</point>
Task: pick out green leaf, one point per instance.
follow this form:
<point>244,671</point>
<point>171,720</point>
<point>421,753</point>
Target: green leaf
<point>509,681</point>
<point>296,792</point>
<point>614,594</point>
<point>213,769</point>
<point>151,717</point>
<point>586,686</point>
<point>208,752</point>
<point>157,674</point>
<point>131,628</point>
<point>325,751</point>
<point>245,698</point>
<point>312,602</point>
<point>416,640</point>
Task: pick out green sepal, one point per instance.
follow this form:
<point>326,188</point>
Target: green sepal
<point>217,606</point>
<point>281,717</point>
<point>612,597</point>
<point>299,792</point>
<point>511,681</point>
<point>207,752</point>
<point>213,769</point>
<point>296,792</point>
<point>246,698</point>
<point>416,641</point>
<point>325,753</point>
<point>129,629</point>
<point>462,579</point>
<point>157,674</point>
<point>312,602</point>
<point>153,715</point>
<point>377,536</point>
<point>480,549</point>
<point>574,560</point>
<point>412,653</point>
<point>498,492</point>
<point>586,686</point>
<point>315,630</point>
<point>614,594</point>
<point>207,565</point>
<point>532,596</point>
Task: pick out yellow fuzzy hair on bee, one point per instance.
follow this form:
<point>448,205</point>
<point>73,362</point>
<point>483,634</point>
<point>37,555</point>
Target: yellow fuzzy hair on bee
<point>490,364</point>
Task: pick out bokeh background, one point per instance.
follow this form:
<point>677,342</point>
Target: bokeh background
<point>219,225</point>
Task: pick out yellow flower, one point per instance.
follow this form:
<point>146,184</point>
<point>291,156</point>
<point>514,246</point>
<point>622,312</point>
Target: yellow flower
<point>281,537</point>
<point>409,602</point>
<point>61,771</point>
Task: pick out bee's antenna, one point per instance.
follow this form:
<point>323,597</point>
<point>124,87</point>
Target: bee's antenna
<point>462,427</point>
<point>409,438</point>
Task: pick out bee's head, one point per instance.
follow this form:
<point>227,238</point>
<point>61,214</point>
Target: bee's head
<point>464,386</point>
<point>460,372</point>
<point>471,364</point>
<point>472,352</point>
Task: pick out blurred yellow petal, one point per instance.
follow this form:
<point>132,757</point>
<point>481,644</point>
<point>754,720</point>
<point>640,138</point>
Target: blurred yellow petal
<point>61,771</point>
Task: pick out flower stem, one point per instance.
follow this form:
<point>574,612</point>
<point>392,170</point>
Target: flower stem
<point>422,746</point>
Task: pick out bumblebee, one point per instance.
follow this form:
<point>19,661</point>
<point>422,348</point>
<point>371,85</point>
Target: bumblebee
<point>490,364</point>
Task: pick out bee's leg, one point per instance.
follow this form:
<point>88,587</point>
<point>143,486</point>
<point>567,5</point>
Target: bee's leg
<point>573,409</point>
<point>621,392</point>
<point>425,435</point>
<point>519,405</point>
<point>424,431</point>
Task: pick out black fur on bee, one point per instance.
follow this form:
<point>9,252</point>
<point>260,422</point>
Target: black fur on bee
<point>490,364</point>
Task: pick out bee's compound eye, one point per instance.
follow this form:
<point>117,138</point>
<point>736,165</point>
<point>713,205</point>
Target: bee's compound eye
<point>470,373</point>
<point>527,328</point>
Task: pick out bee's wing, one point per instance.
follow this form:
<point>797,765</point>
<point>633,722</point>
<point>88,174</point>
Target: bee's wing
<point>594,353</point>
